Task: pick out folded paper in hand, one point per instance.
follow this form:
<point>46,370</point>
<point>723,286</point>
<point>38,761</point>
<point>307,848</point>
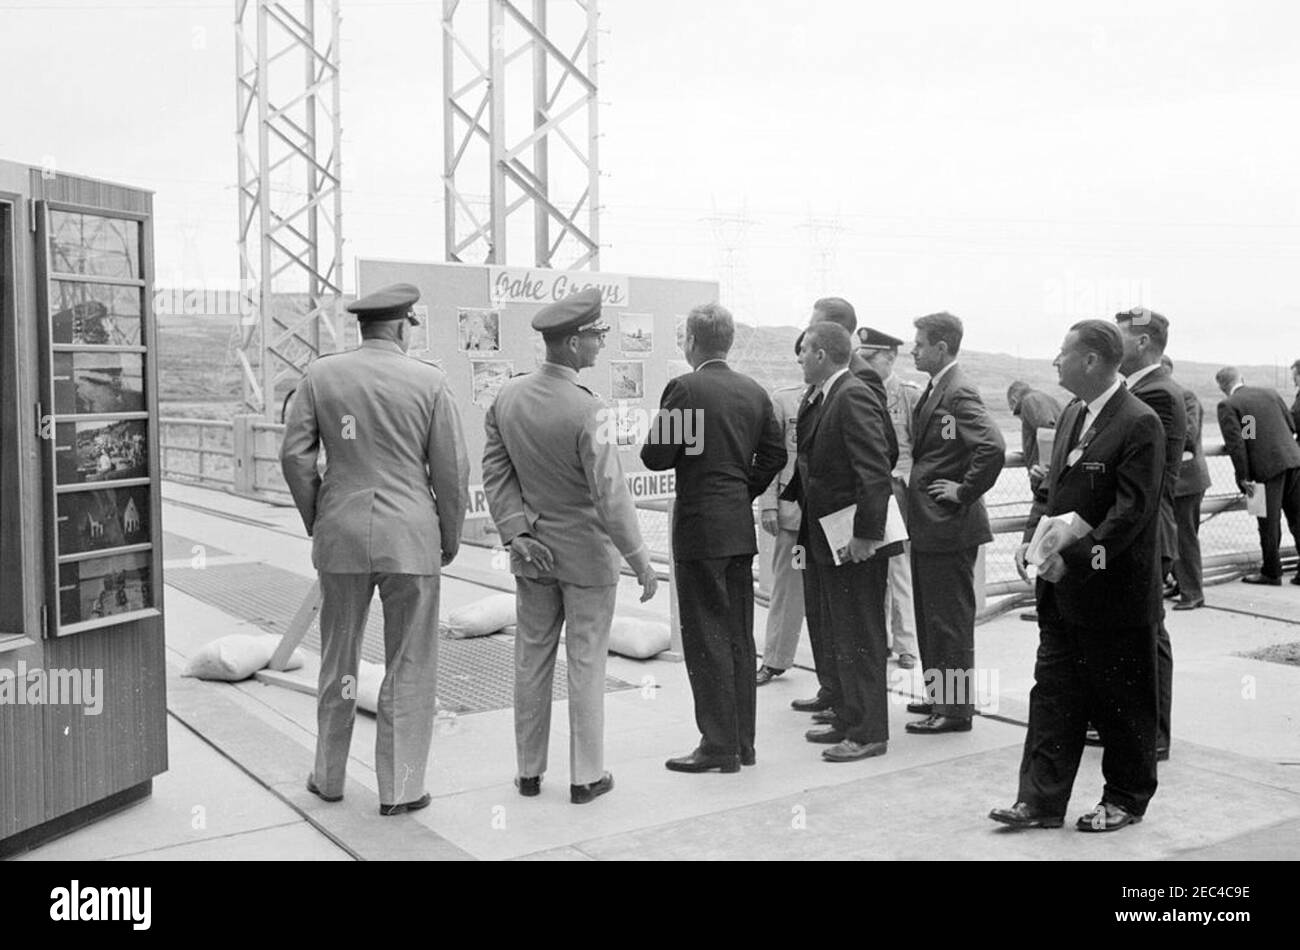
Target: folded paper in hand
<point>838,526</point>
<point>1054,533</point>
<point>1256,505</point>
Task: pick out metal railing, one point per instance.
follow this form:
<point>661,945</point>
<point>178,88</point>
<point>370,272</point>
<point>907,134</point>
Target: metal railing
<point>241,456</point>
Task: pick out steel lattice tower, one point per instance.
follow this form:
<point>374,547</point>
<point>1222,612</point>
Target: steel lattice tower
<point>290,194</point>
<point>523,161</point>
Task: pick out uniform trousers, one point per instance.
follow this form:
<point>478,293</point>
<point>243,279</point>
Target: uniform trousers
<point>1187,567</point>
<point>586,614</point>
<point>785,611</point>
<point>1104,675</point>
<point>407,701</point>
<point>902,610</point>
<point>715,597</point>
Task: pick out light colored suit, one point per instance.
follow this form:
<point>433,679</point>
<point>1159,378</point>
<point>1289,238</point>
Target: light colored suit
<point>785,611</point>
<point>551,469</point>
<point>388,513</point>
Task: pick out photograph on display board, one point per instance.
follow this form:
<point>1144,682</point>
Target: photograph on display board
<point>103,586</point>
<point>630,421</point>
<point>489,376</point>
<point>627,379</point>
<point>636,332</point>
<point>101,451</point>
<point>95,314</point>
<point>99,520</point>
<point>91,382</point>
<point>480,330</point>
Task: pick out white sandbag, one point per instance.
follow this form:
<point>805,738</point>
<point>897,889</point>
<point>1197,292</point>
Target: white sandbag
<point>639,639</point>
<point>481,618</point>
<point>237,657</point>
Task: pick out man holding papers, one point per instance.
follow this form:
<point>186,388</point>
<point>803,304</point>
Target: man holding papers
<point>845,459</point>
<point>1098,595</point>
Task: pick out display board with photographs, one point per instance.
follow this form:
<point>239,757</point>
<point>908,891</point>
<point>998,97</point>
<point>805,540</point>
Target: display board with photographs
<point>101,444</point>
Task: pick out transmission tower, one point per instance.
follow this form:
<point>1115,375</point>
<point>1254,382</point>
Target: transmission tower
<point>522,160</point>
<point>290,196</point>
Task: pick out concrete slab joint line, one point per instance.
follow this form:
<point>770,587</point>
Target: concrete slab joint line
<point>281,765</point>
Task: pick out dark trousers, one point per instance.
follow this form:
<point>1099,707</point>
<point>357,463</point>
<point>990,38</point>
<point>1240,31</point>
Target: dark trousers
<point>1281,497</point>
<point>943,591</point>
<point>1108,676</point>
<point>715,598</point>
<point>1187,567</point>
<point>849,634</point>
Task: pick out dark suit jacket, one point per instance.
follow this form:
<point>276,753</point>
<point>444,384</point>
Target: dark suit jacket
<point>1113,575</point>
<point>1194,476</point>
<point>1295,415</point>
<point>740,452</point>
<point>1273,449</point>
<point>1037,410</point>
<point>953,437</point>
<point>1159,391</point>
<point>844,459</point>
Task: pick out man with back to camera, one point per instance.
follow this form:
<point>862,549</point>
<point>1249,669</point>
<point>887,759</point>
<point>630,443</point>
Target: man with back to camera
<point>1189,492</point>
<point>1145,334</point>
<point>1098,596</point>
<point>880,350</point>
<point>1260,437</point>
<point>388,514</point>
<point>1035,410</point>
<point>957,455</point>
<point>556,491</point>
<point>738,452</point>
<point>845,462</point>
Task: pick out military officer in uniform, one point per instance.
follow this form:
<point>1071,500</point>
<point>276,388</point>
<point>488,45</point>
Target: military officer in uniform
<point>388,514</point>
<point>556,491</point>
<point>880,350</point>
<point>780,519</point>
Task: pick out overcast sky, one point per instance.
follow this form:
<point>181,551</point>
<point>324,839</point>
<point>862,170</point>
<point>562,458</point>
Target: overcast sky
<point>1020,164</point>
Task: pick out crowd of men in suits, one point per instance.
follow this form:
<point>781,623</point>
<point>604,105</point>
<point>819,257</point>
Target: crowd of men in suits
<point>902,471</point>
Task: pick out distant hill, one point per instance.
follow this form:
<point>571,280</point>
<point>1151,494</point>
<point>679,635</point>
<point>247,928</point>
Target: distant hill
<point>198,375</point>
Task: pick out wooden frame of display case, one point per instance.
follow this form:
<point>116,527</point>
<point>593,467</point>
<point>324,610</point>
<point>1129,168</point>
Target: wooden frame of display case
<point>119,505</point>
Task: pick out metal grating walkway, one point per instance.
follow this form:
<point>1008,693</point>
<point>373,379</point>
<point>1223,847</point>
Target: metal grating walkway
<point>473,675</point>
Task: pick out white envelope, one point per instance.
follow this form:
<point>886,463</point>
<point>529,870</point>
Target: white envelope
<point>1256,503</point>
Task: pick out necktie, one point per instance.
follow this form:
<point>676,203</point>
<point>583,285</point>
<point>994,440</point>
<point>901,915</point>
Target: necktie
<point>1078,426</point>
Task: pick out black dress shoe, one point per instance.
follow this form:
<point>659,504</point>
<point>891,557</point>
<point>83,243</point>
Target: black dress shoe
<point>699,761</point>
<point>1021,815</point>
<point>401,808</point>
<point>826,735</point>
<point>1107,816</point>
<point>529,787</point>
<point>765,675</point>
<point>1296,580</point>
<point>1092,736</point>
<point>1262,579</point>
<point>1162,755</point>
<point>581,794</point>
<point>937,724</point>
<point>824,718</point>
<point>1189,604</point>
<point>315,790</point>
<point>921,709</point>
<point>1172,591</point>
<point>816,704</point>
<point>748,758</point>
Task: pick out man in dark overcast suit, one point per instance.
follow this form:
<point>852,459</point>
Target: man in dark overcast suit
<point>1295,406</point>
<point>736,452</point>
<point>1145,334</point>
<point>1035,410</point>
<point>1260,437</point>
<point>1098,597</point>
<point>844,460</point>
<point>957,455</point>
<point>1189,492</point>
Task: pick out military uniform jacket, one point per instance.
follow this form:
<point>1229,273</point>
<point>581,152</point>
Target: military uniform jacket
<point>551,469</point>
<point>902,396</point>
<point>785,404</point>
<point>395,488</point>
